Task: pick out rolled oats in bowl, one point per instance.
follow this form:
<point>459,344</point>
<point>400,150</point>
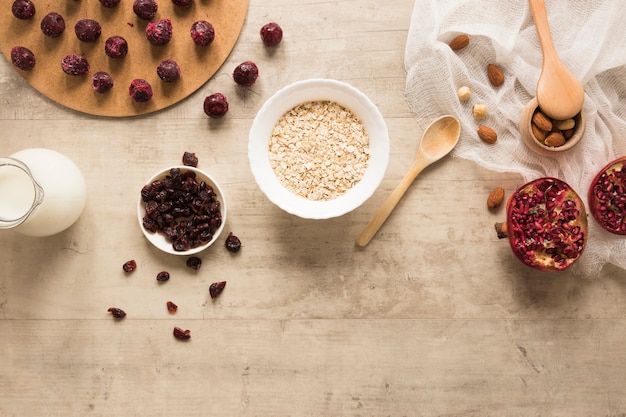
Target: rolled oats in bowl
<point>318,148</point>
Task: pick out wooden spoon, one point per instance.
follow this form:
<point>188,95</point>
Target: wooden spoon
<point>559,93</point>
<point>437,141</point>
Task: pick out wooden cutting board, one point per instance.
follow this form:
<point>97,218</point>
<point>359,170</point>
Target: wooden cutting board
<point>198,64</point>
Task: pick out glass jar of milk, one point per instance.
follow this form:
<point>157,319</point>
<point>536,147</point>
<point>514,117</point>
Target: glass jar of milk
<point>42,192</point>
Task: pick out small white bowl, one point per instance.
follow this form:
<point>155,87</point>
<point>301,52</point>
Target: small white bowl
<point>158,239</point>
<point>318,90</point>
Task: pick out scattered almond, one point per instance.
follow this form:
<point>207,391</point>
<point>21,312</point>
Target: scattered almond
<point>542,121</point>
<point>495,75</point>
<point>555,139</point>
<point>460,42</point>
<point>496,198</point>
<point>487,134</point>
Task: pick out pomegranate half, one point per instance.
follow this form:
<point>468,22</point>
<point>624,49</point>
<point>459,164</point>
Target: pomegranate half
<point>546,224</point>
<point>607,197</point>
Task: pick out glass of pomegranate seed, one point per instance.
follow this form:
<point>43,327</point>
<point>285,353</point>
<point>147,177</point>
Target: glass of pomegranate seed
<point>181,210</point>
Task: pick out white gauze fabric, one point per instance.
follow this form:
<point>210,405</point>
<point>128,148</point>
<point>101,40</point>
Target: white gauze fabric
<point>590,38</point>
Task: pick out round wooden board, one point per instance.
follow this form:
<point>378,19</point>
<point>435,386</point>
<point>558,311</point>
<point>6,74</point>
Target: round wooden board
<point>198,64</point>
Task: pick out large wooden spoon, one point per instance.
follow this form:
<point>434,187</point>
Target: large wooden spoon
<point>438,140</point>
<point>559,93</point>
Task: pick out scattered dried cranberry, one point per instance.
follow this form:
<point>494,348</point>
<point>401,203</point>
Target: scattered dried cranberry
<point>101,82</point>
<point>181,334</point>
<point>215,105</point>
<point>129,266</point>
<point>168,70</point>
<point>194,263</point>
<point>116,47</point>
<point>271,34</point>
<point>145,9</point>
<point>171,307</point>
<point>118,313</point>
<point>23,58</point>
<point>233,244</point>
<point>163,276</point>
<point>87,30</point>
<point>190,159</point>
<point>73,64</point>
<point>202,33</point>
<point>183,3</point>
<point>246,74</point>
<point>23,9</point>
<point>109,3</point>
<point>53,25</point>
<point>159,32</point>
<point>216,288</point>
<point>140,90</point>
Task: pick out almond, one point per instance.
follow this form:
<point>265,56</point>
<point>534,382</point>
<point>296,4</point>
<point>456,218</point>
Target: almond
<point>539,134</point>
<point>495,74</point>
<point>460,42</point>
<point>542,121</point>
<point>496,198</point>
<point>487,134</point>
<point>555,139</point>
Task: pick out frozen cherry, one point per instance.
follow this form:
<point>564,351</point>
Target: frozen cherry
<point>145,9</point>
<point>246,73</point>
<point>53,25</point>
<point>118,313</point>
<point>116,47</point>
<point>23,9</point>
<point>233,244</point>
<point>87,30</point>
<point>109,3</point>
<point>73,64</point>
<point>140,90</point>
<point>23,58</point>
<point>129,266</point>
<point>216,288</point>
<point>101,82</point>
<point>183,3</point>
<point>271,34</point>
<point>168,70</point>
<point>181,334</point>
<point>215,105</point>
<point>194,263</point>
<point>163,276</point>
<point>159,32</point>
<point>190,159</point>
<point>202,33</point>
<point>171,307</point>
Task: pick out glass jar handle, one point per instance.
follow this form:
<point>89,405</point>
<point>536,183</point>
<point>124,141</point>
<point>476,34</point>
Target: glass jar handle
<point>37,200</point>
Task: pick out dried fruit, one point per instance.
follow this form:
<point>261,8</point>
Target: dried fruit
<point>479,111</point>
<point>183,3</point>
<point>23,9</point>
<point>145,9</point>
<point>487,134</point>
<point>216,289</point>
<point>194,263</point>
<point>607,197</point>
<point>202,33</point>
<point>23,58</point>
<point>233,244</point>
<point>171,307</point>
<point>129,266</point>
<point>73,64</point>
<point>271,34</point>
<point>101,82</point>
<point>246,73</point>
<point>495,75</point>
<point>546,224</point>
<point>163,276</point>
<point>87,30</point>
<point>464,93</point>
<point>215,105</point>
<point>109,3</point>
<point>459,42</point>
<point>159,33</point>
<point>182,334</point>
<point>190,159</point>
<point>496,197</point>
<point>168,70</point>
<point>53,25</point>
<point>118,313</point>
<point>140,90</point>
<point>116,47</point>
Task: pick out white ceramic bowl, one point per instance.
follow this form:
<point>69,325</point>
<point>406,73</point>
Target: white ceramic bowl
<point>318,90</point>
<point>158,239</point>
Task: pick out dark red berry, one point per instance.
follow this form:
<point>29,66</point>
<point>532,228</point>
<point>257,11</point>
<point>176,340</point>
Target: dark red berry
<point>216,288</point>
<point>233,244</point>
<point>215,105</point>
<point>194,263</point>
<point>171,307</point>
<point>118,313</point>
<point>190,159</point>
<point>23,9</point>
<point>271,34</point>
<point>168,70</point>
<point>140,90</point>
<point>101,82</point>
<point>53,25</point>
<point>87,30</point>
<point>23,58</point>
<point>246,73</point>
<point>73,64</point>
<point>129,266</point>
<point>116,47</point>
<point>163,276</point>
<point>202,33</point>
<point>145,9</point>
<point>183,3</point>
<point>159,32</point>
<point>181,334</point>
<point>109,3</point>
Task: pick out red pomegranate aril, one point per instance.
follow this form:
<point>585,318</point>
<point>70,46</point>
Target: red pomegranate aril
<point>607,197</point>
<point>181,334</point>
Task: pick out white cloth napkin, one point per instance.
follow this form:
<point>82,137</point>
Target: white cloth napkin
<point>590,38</point>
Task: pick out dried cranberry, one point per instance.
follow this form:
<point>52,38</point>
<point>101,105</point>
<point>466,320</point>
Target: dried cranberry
<point>101,82</point>
<point>118,313</point>
<point>73,64</point>
<point>129,266</point>
<point>168,70</point>
<point>87,30</point>
<point>233,244</point>
<point>140,90</point>
<point>23,9</point>
<point>190,159</point>
<point>215,105</point>
<point>271,34</point>
<point>109,3</point>
<point>145,9</point>
<point>183,3</point>
<point>116,47</point>
<point>163,276</point>
<point>159,33</point>
<point>53,25</point>
<point>181,334</point>
<point>171,307</point>
<point>216,288</point>
<point>246,73</point>
<point>194,263</point>
<point>202,33</point>
<point>23,58</point>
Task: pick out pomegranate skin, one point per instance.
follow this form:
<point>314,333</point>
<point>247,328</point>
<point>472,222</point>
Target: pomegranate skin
<point>546,224</point>
<point>607,197</point>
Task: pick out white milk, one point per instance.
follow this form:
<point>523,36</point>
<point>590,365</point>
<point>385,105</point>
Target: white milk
<point>17,192</point>
<point>64,192</point>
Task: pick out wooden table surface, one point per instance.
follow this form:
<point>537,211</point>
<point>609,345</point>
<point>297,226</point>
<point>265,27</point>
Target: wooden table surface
<point>435,317</point>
